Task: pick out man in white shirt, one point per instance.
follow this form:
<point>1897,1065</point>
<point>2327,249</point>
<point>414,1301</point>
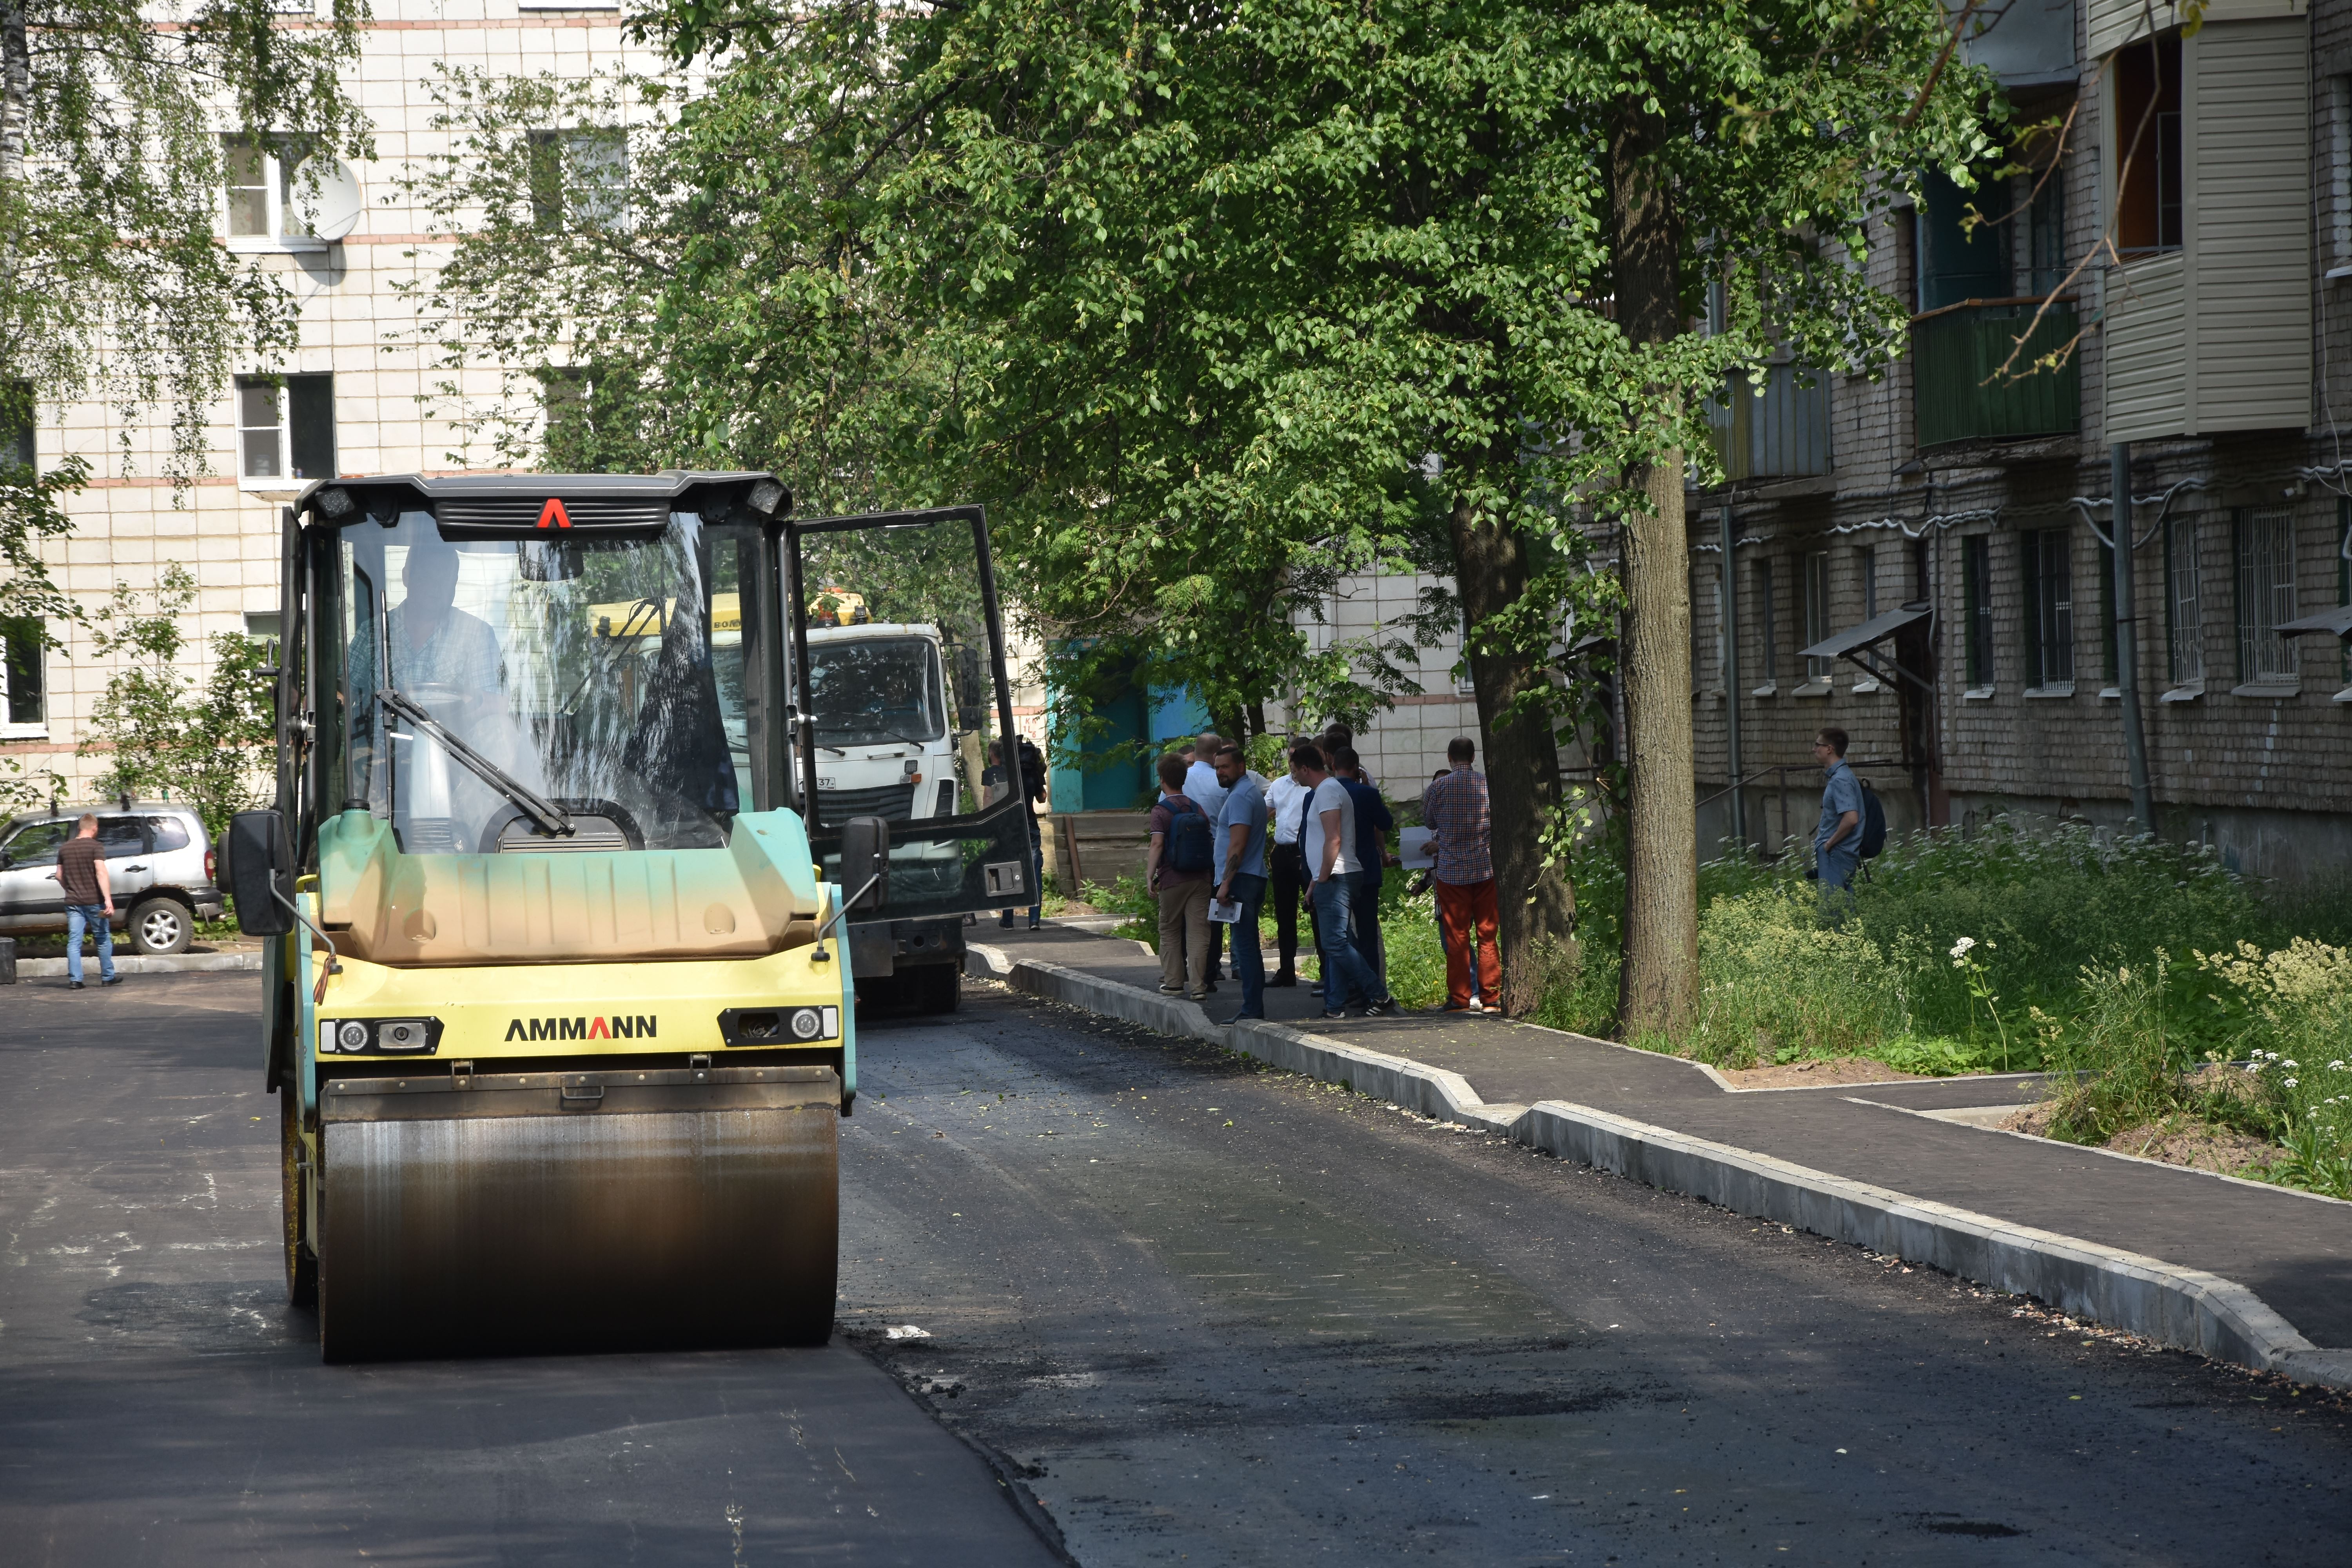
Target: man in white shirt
<point>1288,882</point>
<point>1330,845</point>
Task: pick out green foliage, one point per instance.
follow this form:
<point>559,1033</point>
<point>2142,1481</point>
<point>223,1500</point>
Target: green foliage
<point>161,732</point>
<point>1779,982</point>
<point>115,285</point>
<point>1128,896</point>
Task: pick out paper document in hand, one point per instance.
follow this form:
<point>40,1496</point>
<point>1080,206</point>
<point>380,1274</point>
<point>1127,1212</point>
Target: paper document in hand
<point>1224,913</point>
<point>1414,843</point>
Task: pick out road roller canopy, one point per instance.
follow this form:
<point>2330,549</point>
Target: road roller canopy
<point>564,664</point>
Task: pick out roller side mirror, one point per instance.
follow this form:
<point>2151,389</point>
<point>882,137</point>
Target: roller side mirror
<point>261,876</point>
<point>865,859</point>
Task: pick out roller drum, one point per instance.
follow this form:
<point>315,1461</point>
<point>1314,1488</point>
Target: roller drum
<point>591,1211</point>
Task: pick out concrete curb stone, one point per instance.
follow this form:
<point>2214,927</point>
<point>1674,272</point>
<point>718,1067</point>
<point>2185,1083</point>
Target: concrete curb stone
<point>144,963</point>
<point>2144,1296</point>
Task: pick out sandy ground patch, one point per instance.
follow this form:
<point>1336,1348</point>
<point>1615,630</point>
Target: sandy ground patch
<point>1806,1074</point>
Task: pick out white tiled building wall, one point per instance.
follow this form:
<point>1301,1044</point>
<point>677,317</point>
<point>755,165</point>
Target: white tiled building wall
<point>1405,744</point>
<point>130,522</point>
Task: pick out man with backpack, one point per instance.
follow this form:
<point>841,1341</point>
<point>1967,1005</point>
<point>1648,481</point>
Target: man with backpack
<point>1179,863</point>
<point>1837,841</point>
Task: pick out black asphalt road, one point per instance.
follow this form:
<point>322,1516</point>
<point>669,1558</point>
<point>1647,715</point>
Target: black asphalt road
<point>160,1405</point>
<point>1208,1314</point>
<point>1225,1316</point>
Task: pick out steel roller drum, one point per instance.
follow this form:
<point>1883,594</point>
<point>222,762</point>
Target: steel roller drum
<point>577,1211</point>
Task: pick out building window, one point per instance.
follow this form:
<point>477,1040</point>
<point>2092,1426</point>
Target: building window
<point>579,179</point>
<point>2265,552</point>
<point>1976,589</point>
<point>2147,146</point>
<point>17,446</point>
<point>2044,240</point>
<point>1816,611</point>
<point>23,693</point>
<point>2184,602</point>
<point>258,173</point>
<point>1767,628</point>
<point>285,427</point>
<point>2049,608</point>
<point>2109,667</point>
<point>2344,581</point>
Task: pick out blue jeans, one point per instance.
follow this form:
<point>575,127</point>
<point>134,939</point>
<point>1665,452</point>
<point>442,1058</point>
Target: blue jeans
<point>1345,975</point>
<point>95,917</point>
<point>1364,921</point>
<point>1249,963</point>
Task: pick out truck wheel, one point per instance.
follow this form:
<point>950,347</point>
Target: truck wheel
<point>161,925</point>
<point>302,1268</point>
<point>937,988</point>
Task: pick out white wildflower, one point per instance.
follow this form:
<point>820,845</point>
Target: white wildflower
<point>1960,948</point>
<point>2336,1067</point>
<point>2289,1083</point>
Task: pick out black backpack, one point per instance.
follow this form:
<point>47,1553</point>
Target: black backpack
<point>1033,771</point>
<point>1190,848</point>
<point>1874,822</point>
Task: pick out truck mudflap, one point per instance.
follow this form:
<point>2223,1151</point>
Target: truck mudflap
<point>467,1214</point>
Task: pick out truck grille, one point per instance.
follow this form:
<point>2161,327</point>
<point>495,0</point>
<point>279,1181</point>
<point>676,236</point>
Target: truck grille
<point>892,802</point>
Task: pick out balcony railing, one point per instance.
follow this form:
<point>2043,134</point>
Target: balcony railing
<point>1962,393</point>
<point>1781,432</point>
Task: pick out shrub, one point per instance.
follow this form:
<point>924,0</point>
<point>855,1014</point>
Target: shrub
<point>1779,984</point>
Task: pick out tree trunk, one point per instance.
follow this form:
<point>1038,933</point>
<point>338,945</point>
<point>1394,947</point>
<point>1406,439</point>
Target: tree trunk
<point>16,97</point>
<point>1659,981</point>
<point>1535,901</point>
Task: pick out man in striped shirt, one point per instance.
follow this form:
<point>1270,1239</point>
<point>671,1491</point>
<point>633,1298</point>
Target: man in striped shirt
<point>1462,836</point>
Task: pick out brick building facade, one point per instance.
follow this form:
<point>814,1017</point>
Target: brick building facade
<point>2211,340</point>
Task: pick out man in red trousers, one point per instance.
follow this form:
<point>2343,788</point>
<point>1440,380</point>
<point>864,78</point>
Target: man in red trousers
<point>1461,834</point>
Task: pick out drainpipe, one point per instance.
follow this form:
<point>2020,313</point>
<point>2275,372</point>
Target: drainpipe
<point>1731,682</point>
<point>2119,529</point>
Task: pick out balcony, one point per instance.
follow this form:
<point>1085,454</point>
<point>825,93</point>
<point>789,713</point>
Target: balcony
<point>1780,431</point>
<point>1961,395</point>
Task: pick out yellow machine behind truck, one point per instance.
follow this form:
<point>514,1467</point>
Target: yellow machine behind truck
<point>558,1007</point>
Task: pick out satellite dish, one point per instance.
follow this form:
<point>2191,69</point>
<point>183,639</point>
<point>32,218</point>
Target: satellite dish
<point>327,195</point>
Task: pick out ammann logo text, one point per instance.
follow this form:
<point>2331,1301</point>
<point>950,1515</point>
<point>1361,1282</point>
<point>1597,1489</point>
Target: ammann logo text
<point>616,1027</point>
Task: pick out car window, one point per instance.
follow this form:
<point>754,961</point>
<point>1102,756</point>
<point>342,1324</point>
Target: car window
<point>121,836</point>
<point>37,845</point>
<point>170,833</point>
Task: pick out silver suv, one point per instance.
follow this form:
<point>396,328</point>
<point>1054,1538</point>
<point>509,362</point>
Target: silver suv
<point>159,863</point>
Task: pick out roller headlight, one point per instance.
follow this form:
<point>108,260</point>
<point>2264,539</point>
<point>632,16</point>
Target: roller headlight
<point>807,1023</point>
<point>379,1037</point>
<point>352,1034</point>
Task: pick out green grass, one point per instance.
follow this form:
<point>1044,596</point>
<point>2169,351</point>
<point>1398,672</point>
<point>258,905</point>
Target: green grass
<point>2134,967</point>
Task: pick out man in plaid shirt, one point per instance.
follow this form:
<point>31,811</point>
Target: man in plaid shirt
<point>1462,836</point>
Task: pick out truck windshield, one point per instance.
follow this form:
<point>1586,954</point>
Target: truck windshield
<point>604,675</point>
<point>872,690</point>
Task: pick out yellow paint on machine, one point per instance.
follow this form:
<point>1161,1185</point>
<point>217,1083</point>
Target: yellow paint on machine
<point>478,1007</point>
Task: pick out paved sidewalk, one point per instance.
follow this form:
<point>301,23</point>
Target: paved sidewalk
<point>2293,1251</point>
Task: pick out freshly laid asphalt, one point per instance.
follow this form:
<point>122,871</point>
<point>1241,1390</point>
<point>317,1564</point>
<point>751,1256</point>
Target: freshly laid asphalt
<point>2290,1248</point>
<point>1201,1312</point>
<point>161,1405</point>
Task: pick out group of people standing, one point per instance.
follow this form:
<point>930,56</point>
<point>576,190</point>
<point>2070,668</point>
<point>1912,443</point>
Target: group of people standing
<point>1223,839</point>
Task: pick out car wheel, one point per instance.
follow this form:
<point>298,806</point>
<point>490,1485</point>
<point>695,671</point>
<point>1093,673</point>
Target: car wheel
<point>162,925</point>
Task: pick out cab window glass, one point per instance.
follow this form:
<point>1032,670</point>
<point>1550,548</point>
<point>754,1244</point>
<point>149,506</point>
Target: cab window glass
<point>37,845</point>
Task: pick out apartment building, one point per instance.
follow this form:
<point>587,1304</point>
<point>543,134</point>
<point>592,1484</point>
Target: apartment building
<point>1925,561</point>
<point>357,396</point>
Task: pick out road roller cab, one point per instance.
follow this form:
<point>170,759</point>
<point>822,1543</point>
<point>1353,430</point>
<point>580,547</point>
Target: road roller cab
<point>561,1003</point>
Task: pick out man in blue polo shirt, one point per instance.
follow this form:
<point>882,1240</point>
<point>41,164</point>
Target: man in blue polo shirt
<point>1241,873</point>
<point>1837,840</point>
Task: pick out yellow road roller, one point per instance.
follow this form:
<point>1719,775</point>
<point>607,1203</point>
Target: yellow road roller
<point>561,972</point>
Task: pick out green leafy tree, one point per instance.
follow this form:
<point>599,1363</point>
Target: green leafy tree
<point>1208,301</point>
<point>162,731</point>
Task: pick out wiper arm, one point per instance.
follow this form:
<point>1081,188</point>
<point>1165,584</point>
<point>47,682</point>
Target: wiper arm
<point>549,817</point>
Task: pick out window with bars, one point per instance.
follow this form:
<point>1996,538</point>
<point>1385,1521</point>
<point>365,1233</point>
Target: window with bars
<point>2047,560</point>
<point>1865,563</point>
<point>2265,538</point>
<point>579,179</point>
<point>1817,610</point>
<point>2184,602</point>
<point>1767,628</point>
<point>1975,608</point>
